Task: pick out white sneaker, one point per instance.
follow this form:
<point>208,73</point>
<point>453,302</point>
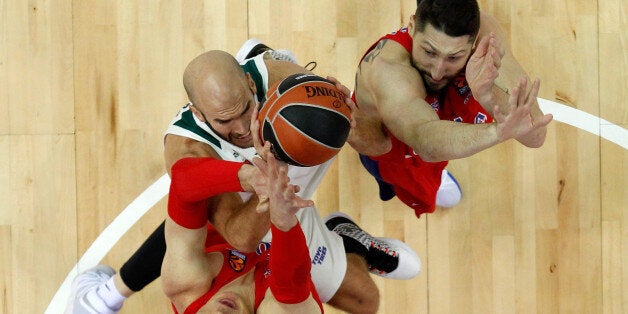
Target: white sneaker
<point>449,193</point>
<point>385,257</point>
<point>83,298</point>
<point>254,47</point>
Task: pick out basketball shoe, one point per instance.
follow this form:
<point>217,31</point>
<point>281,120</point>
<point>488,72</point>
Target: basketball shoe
<point>84,298</point>
<point>385,257</point>
<point>254,47</point>
<point>449,193</point>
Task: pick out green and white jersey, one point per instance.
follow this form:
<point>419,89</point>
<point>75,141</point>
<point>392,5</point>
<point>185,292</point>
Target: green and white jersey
<point>188,125</point>
<point>326,247</point>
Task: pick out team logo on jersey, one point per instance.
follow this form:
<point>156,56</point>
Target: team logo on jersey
<point>235,154</point>
<point>461,85</point>
<point>403,30</point>
<point>480,118</point>
<point>262,247</point>
<point>466,99</point>
<point>457,119</point>
<point>237,260</point>
<point>320,255</point>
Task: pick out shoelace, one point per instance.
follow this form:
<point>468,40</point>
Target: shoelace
<point>367,240</point>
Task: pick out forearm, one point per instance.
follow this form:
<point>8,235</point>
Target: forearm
<point>290,265</point>
<point>239,222</point>
<point>441,140</point>
<point>196,179</point>
<point>509,75</point>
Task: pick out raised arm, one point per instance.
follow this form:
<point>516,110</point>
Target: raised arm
<point>290,281</point>
<point>510,75</point>
<point>395,88</point>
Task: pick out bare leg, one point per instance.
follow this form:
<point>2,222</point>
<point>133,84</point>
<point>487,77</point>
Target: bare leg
<point>358,292</point>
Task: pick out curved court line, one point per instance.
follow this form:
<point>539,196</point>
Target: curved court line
<point>109,237</point>
<point>156,191</point>
<point>586,122</point>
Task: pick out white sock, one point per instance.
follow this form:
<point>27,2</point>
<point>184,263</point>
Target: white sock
<point>110,295</point>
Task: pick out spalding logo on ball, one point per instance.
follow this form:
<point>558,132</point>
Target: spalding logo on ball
<point>306,120</point>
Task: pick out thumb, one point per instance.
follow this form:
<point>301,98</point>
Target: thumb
<point>482,48</point>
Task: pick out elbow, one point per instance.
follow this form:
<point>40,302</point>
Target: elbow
<point>430,157</point>
<point>430,154</point>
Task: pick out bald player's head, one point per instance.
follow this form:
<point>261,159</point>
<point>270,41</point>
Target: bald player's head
<point>214,78</point>
<point>222,94</point>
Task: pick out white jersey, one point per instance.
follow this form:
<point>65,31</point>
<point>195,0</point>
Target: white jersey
<point>326,249</point>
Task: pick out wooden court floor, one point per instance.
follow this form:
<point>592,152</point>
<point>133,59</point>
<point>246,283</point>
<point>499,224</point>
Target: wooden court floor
<point>87,88</point>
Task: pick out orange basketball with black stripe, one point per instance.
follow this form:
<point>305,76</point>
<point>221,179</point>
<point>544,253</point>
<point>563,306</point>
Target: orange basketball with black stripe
<point>306,120</point>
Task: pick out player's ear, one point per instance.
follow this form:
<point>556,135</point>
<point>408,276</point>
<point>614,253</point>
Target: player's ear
<point>411,25</point>
<point>251,83</point>
<point>199,115</point>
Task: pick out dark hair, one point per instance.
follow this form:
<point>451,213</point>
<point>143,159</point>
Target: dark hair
<point>453,17</point>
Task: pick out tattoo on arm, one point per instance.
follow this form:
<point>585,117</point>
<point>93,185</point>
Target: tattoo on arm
<point>370,56</point>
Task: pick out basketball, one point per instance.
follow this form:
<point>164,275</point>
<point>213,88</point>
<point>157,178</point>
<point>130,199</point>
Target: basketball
<point>306,120</point>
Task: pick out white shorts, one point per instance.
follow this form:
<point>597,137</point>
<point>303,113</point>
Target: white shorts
<point>327,252</point>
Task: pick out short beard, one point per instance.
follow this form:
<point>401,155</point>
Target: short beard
<point>431,87</point>
<point>428,86</point>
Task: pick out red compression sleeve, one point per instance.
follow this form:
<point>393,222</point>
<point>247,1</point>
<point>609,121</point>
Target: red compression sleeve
<point>193,181</point>
<point>290,265</point>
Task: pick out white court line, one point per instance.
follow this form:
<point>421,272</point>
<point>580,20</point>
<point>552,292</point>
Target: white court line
<point>108,238</point>
<point>132,213</point>
<point>586,122</point>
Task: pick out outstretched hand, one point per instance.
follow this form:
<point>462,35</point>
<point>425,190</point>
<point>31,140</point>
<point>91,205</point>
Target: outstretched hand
<point>482,68</point>
<point>283,200</point>
<point>515,121</point>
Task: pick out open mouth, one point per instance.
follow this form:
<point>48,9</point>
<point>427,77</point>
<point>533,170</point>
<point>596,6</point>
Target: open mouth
<point>228,303</point>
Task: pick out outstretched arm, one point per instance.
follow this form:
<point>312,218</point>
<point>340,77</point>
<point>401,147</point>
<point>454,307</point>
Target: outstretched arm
<point>290,281</point>
<point>396,90</point>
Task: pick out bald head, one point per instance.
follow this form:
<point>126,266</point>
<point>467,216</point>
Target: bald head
<point>214,77</point>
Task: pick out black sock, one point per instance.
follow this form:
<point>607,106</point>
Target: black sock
<point>145,264</point>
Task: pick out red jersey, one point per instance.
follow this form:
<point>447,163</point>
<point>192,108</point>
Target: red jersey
<point>236,264</point>
<point>414,181</point>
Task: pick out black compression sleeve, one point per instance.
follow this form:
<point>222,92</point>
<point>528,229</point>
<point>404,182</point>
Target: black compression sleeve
<point>145,264</point>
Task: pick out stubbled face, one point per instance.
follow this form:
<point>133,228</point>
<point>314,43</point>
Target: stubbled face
<point>438,56</point>
<point>229,113</point>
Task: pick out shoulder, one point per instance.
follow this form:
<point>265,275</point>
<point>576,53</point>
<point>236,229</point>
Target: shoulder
<point>389,67</point>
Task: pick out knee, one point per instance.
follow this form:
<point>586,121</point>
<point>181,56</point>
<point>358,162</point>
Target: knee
<point>367,301</point>
<point>358,293</point>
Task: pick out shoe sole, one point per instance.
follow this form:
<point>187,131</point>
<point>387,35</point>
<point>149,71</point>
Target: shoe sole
<point>246,48</point>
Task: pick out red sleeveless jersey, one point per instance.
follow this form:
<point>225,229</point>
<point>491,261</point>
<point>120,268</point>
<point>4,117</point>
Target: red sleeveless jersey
<point>236,264</point>
<point>415,181</point>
